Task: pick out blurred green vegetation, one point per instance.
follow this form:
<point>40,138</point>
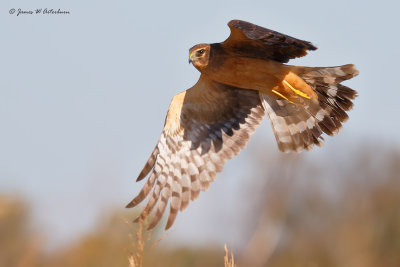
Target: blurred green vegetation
<point>358,225</point>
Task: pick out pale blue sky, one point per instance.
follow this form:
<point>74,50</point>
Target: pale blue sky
<point>83,96</point>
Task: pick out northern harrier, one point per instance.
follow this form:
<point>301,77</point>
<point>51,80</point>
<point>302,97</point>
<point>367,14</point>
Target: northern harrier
<point>241,79</point>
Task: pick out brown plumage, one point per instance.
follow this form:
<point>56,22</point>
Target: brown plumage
<point>241,79</point>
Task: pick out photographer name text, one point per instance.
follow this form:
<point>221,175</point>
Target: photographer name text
<point>39,11</point>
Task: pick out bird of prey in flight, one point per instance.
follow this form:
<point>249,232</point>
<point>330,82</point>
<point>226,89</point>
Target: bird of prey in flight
<point>241,79</point>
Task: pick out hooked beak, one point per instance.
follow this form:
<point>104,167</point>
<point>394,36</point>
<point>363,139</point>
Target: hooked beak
<point>190,58</point>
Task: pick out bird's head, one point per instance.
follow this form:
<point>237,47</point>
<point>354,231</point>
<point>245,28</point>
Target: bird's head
<point>199,55</point>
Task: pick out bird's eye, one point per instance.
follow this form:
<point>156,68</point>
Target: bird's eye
<point>201,51</point>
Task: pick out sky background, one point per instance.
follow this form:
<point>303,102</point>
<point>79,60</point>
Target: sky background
<point>83,96</point>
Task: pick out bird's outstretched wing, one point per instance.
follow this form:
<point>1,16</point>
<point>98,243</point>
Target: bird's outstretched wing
<point>250,40</point>
<point>206,125</point>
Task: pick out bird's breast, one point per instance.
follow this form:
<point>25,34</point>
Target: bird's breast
<point>247,73</point>
<point>266,76</point>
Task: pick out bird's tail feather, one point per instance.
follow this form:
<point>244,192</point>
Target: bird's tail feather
<point>297,127</point>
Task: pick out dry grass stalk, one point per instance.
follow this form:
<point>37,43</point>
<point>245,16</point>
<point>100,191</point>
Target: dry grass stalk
<point>229,261</point>
<point>136,258</point>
